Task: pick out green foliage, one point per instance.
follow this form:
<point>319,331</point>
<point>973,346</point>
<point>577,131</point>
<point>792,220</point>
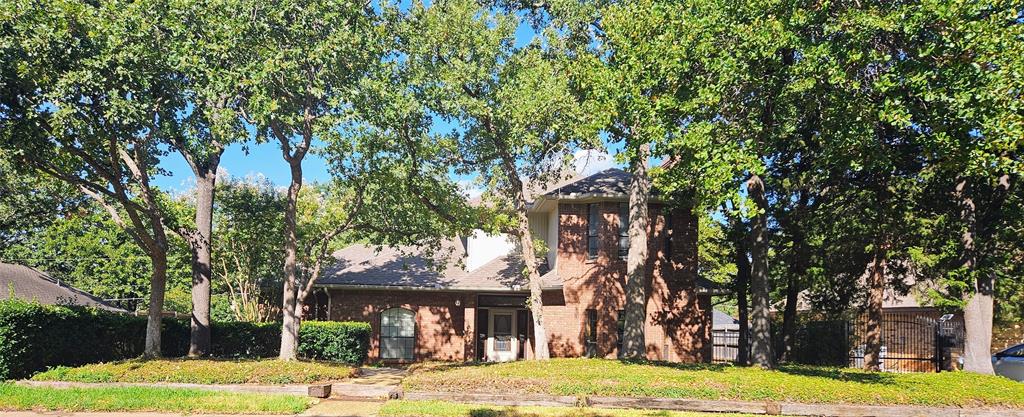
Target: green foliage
<point>247,257</point>
<point>202,371</point>
<point>34,337</point>
<point>84,248</point>
<point>146,399</point>
<point>804,384</point>
<point>346,342</point>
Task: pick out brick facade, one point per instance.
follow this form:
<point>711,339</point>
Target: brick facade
<point>678,319</point>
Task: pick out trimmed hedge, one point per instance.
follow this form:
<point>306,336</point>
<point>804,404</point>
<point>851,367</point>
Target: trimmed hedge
<point>334,341</point>
<point>34,337</point>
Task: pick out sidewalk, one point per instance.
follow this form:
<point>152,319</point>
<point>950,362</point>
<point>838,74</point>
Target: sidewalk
<point>326,408</point>
<point>712,406</point>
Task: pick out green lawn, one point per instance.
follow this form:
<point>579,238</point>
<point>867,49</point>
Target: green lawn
<point>13,397</point>
<point>448,409</point>
<point>790,383</point>
<point>202,371</point>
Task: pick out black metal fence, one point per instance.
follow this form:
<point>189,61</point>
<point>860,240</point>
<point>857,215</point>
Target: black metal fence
<point>910,343</point>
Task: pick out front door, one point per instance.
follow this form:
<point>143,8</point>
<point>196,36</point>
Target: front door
<point>502,342</point>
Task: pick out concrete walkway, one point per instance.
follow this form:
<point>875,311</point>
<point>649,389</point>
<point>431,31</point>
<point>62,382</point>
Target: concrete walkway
<point>371,383</point>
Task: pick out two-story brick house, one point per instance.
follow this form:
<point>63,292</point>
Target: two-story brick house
<point>474,308</point>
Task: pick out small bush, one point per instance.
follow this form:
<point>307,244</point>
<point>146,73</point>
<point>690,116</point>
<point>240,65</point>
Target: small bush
<point>334,341</point>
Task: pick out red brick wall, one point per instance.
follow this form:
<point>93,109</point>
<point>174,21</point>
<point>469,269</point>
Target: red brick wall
<point>441,326</point>
<point>678,321</point>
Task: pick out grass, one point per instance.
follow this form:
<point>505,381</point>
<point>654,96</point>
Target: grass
<point>202,371</point>
<point>13,397</point>
<point>449,409</point>
<point>803,384</point>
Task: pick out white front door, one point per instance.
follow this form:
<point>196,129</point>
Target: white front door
<point>502,342</point>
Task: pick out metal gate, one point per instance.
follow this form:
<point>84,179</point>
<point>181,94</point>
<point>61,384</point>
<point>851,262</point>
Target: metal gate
<point>911,343</point>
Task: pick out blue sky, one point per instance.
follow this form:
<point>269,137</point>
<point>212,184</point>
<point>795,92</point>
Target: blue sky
<point>265,159</point>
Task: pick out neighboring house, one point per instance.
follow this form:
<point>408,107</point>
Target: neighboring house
<point>725,332</point>
<point>30,284</point>
<point>473,307</point>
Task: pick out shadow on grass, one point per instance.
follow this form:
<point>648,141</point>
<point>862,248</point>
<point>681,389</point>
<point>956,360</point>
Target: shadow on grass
<point>839,374</point>
<point>679,366</point>
<point>573,412</point>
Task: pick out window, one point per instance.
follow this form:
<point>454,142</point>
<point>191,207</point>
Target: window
<point>620,329</point>
<point>1014,352</point>
<point>590,337</point>
<point>623,230</point>
<point>397,334</point>
<point>592,217</point>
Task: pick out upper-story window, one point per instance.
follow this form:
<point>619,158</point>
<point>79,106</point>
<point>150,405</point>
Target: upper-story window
<point>623,230</point>
<point>593,214</point>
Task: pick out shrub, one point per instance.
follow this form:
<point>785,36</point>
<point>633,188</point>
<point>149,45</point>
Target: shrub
<point>334,341</point>
<point>238,339</point>
<point>34,337</point>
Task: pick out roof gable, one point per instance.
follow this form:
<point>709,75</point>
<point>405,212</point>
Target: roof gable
<point>34,285</point>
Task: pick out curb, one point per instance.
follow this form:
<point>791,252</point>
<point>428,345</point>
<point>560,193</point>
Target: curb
<point>338,389</point>
<point>724,406</point>
<point>518,400</point>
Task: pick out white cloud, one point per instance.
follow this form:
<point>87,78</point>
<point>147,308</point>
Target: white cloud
<point>470,188</point>
<point>589,161</point>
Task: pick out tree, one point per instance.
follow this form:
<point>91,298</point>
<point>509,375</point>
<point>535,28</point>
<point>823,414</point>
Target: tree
<point>88,110</point>
<point>305,60</point>
<point>517,115</point>
<point>29,202</point>
<point>203,57</point>
<point>82,247</point>
<point>247,253</point>
<point>971,85</point>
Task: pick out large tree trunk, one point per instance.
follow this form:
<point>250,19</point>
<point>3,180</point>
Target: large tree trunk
<point>979,304</point>
<point>742,284</point>
<point>525,236</point>
<point>796,270</point>
<point>202,269</point>
<point>978,325</point>
<point>876,293</point>
<point>789,316</point>
<point>633,343</point>
<point>540,336</point>
<point>157,288</point>
<point>761,348</point>
<point>290,318</point>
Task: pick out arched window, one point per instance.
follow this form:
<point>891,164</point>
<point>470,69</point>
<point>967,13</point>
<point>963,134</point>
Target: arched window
<point>397,334</point>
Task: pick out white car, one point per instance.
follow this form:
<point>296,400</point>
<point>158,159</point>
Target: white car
<point>1010,363</point>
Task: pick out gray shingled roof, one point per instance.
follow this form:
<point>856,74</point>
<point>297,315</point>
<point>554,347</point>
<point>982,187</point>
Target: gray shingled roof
<point>409,267</point>
<point>610,183</point>
<point>721,320</point>
<point>33,285</point>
